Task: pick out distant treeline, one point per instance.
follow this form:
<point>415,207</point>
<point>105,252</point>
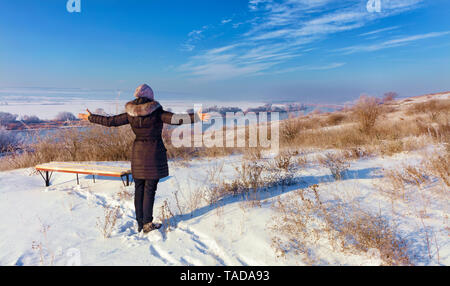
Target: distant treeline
<point>6,117</point>
<point>269,107</point>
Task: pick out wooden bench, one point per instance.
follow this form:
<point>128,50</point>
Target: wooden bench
<point>86,169</point>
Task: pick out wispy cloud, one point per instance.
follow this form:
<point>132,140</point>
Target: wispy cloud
<point>391,43</point>
<point>225,21</point>
<point>193,37</point>
<point>310,68</point>
<point>279,30</point>
<point>379,31</point>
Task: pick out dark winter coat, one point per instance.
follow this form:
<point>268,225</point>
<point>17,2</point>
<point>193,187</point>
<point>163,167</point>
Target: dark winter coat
<point>148,158</point>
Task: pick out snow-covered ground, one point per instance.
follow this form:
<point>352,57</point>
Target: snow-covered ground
<point>59,225</point>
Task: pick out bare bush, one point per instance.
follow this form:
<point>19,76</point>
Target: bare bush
<point>283,160</point>
<point>125,195</point>
<point>367,110</point>
<point>439,166</point>
<point>301,158</point>
<point>8,139</point>
<point>335,118</point>
<point>249,176</point>
<point>337,163</point>
<point>290,129</point>
<point>252,153</point>
<point>167,217</point>
<point>108,222</point>
<point>389,97</point>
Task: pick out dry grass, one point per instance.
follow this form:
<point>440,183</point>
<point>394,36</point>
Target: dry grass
<point>93,144</point>
<point>439,166</point>
<point>302,219</point>
<point>251,178</point>
<point>336,118</point>
<point>107,224</point>
<point>434,108</point>
<point>378,132</point>
<point>413,187</point>
<point>166,217</point>
<point>336,162</point>
<point>369,126</point>
<point>283,160</point>
<point>46,254</point>
<point>125,195</point>
<point>8,140</point>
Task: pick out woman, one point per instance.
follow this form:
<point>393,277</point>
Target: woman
<point>148,160</point>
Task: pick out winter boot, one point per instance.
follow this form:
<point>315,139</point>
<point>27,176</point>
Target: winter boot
<point>151,226</point>
<point>140,226</point>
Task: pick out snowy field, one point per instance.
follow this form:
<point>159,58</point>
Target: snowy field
<point>51,226</point>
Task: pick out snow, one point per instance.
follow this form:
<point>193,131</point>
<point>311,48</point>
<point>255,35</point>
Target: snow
<point>63,218</point>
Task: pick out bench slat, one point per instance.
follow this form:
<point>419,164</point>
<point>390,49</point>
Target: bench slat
<point>89,169</point>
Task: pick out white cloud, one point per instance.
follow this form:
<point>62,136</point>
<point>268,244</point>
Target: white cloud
<point>280,29</point>
<point>391,43</point>
<point>379,31</point>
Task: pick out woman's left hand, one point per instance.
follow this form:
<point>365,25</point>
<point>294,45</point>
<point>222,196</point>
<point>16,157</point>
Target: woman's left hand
<point>84,116</point>
<point>203,116</point>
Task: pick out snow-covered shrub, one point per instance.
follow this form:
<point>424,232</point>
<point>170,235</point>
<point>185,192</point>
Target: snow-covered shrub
<point>252,154</point>
<point>336,162</point>
<point>8,139</point>
<point>125,194</point>
<point>6,117</point>
<point>31,119</point>
<point>108,222</point>
<point>65,116</point>
<point>283,160</point>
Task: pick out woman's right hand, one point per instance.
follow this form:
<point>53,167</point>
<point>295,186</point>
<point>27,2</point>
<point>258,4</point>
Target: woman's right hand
<point>84,116</point>
<point>203,116</point>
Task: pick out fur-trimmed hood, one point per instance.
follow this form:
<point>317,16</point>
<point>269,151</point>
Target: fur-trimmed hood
<point>143,109</point>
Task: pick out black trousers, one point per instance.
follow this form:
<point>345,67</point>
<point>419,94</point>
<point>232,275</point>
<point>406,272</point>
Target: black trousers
<point>144,198</point>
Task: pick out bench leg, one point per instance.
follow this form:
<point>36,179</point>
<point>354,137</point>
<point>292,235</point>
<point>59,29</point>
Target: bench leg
<point>93,177</point>
<point>78,180</point>
<point>127,182</point>
<point>46,178</point>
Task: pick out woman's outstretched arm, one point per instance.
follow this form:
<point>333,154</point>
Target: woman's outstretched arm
<point>109,121</point>
<point>179,119</point>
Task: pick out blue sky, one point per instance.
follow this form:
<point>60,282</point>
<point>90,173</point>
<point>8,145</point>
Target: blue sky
<point>303,50</point>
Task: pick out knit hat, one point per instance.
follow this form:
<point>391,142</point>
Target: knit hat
<point>144,91</point>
